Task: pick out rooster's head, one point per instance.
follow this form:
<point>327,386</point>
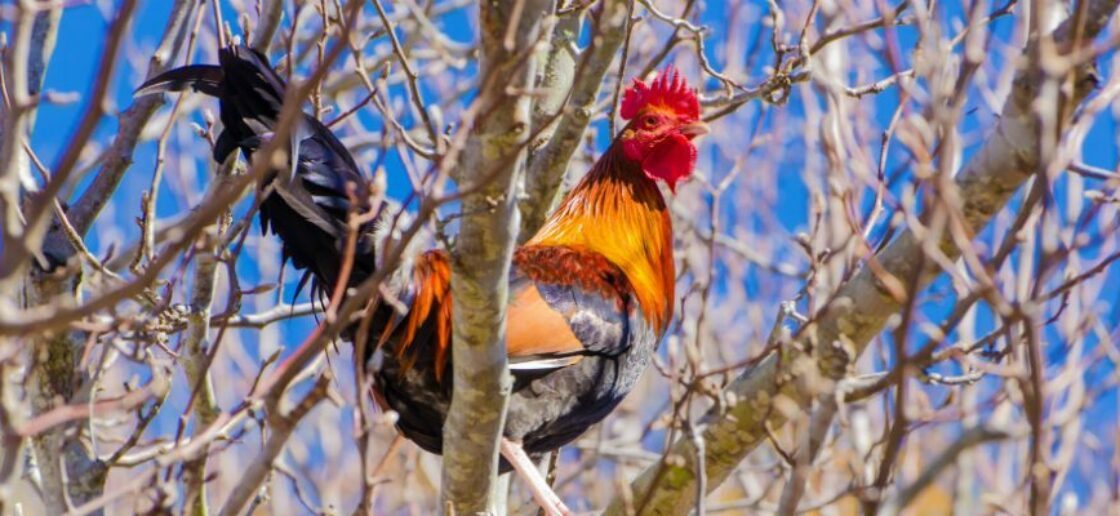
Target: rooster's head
<point>664,118</point>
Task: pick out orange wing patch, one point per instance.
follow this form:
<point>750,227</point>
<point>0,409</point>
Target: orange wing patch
<point>534,328</point>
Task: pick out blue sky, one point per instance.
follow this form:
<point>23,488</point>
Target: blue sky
<point>81,38</point>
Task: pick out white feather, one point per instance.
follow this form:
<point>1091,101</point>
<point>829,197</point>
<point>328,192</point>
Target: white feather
<point>543,364</point>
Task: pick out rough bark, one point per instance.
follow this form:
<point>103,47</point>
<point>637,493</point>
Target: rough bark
<point>556,73</point>
<point>769,393</point>
<point>493,155</point>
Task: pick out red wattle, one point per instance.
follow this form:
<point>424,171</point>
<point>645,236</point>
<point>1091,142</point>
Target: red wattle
<point>670,160</point>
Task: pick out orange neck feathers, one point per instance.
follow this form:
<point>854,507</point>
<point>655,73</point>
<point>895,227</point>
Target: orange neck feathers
<point>618,212</point>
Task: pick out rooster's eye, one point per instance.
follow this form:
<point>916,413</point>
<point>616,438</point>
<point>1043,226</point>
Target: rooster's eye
<point>650,121</point>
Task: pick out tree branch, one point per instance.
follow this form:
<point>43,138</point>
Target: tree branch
<point>196,345</point>
<point>271,13</point>
<point>554,80</point>
<point>281,427</point>
<point>38,209</point>
<point>973,437</point>
<point>24,70</point>
<point>493,155</point>
<point>547,165</point>
<point>131,122</point>
<point>766,394</point>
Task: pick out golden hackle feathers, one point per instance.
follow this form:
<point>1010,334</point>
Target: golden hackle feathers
<point>617,212</point>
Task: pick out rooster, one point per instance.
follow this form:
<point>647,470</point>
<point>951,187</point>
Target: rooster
<point>591,293</point>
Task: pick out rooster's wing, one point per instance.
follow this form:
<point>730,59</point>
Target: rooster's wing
<point>565,304</point>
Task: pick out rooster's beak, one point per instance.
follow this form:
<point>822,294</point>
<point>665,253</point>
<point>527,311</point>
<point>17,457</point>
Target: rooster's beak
<point>694,129</point>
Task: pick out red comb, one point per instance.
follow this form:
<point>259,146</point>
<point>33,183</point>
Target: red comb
<point>668,90</point>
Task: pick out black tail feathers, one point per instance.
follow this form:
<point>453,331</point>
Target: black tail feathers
<point>250,91</point>
<point>201,78</point>
<point>308,208</point>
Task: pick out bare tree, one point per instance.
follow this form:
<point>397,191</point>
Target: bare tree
<point>896,261</point>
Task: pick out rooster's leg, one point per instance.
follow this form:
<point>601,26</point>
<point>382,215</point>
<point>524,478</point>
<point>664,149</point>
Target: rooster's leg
<point>542,492</point>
